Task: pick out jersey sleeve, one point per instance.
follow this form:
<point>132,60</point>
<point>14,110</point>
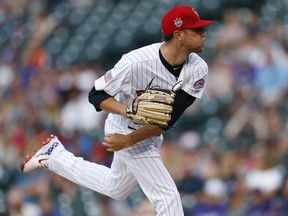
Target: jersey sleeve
<point>115,80</point>
<point>197,81</point>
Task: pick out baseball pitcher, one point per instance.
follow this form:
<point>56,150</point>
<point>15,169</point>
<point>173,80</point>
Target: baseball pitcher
<point>145,93</point>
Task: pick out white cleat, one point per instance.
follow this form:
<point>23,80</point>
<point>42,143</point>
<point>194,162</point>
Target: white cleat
<point>40,158</point>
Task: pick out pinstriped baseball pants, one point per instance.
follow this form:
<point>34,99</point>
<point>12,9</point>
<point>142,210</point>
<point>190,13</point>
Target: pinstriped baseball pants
<point>118,181</point>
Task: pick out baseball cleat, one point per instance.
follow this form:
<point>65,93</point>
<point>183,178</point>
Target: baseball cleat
<point>40,158</point>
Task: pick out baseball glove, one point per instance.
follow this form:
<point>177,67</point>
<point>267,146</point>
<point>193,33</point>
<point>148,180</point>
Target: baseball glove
<point>154,106</point>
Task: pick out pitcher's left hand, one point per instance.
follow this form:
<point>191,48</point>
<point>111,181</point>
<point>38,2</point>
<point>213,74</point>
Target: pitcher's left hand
<point>116,142</point>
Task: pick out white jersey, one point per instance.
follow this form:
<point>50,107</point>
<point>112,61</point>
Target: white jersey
<point>133,73</point>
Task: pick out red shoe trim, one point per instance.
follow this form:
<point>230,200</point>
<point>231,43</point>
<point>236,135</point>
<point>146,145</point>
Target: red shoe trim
<point>23,163</point>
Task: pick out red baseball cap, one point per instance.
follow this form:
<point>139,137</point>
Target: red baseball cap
<point>181,17</point>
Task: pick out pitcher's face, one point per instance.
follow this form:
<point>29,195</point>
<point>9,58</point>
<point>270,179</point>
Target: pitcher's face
<point>193,40</point>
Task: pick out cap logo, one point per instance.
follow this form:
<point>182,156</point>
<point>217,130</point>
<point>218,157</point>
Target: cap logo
<point>178,22</point>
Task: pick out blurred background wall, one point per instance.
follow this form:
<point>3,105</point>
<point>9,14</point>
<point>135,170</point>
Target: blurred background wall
<point>227,154</point>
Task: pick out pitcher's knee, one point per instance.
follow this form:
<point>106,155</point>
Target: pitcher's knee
<point>118,196</point>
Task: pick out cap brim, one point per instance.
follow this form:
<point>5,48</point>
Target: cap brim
<point>201,23</point>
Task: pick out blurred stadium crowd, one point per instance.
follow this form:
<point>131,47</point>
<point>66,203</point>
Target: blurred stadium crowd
<point>228,154</point>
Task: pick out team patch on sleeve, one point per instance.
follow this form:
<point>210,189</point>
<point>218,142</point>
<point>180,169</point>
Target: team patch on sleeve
<point>199,84</point>
<point>108,76</point>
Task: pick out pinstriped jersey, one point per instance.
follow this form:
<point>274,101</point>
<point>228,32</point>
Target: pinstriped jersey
<point>134,71</point>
